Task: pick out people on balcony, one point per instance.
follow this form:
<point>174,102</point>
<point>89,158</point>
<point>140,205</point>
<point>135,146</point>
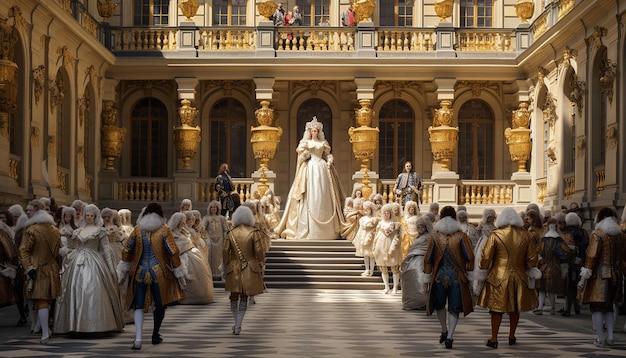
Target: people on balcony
<point>279,15</point>
<point>347,17</point>
<point>314,203</point>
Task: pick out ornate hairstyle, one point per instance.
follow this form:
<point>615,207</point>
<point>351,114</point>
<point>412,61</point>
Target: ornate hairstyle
<point>314,124</point>
<point>92,209</point>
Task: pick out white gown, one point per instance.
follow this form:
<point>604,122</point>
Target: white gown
<point>90,300</point>
<point>314,208</point>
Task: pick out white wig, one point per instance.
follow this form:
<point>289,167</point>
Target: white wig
<point>175,220</point>
<point>408,205</point>
<point>186,202</point>
<point>67,210</point>
<point>488,213</point>
<point>125,215</point>
<point>507,217</point>
<point>243,216</point>
<point>16,210</point>
<point>572,219</point>
<point>212,204</point>
<point>461,216</point>
<point>369,205</point>
<point>78,204</point>
<point>92,209</point>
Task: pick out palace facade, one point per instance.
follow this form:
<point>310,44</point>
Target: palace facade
<point>496,102</point>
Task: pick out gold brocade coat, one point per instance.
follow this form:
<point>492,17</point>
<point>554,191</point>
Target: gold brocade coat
<point>244,257</point>
<point>456,242</point>
<point>39,249</point>
<point>606,257</point>
<point>163,244</point>
<point>509,253</point>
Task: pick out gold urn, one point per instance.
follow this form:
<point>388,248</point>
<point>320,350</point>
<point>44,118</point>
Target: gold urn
<point>189,8</point>
<point>186,137</point>
<point>363,10</point>
<point>264,139</point>
<point>443,9</point>
<point>519,143</point>
<point>443,137</point>
<point>266,9</point>
<point>364,141</point>
<point>112,136</point>
<point>8,86</point>
<point>106,8</point>
<point>524,9</point>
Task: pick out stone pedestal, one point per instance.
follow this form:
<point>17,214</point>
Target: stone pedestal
<point>188,40</point>
<point>185,185</point>
<point>366,39</point>
<point>107,184</point>
<point>523,37</point>
<point>266,38</point>
<point>522,192</point>
<point>445,191</point>
<point>357,179</point>
<point>445,40</point>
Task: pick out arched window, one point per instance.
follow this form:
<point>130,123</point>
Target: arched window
<point>151,12</point>
<point>318,108</point>
<point>227,119</point>
<point>476,13</point>
<point>396,12</point>
<point>476,147</point>
<point>229,13</point>
<point>149,143</point>
<point>396,140</point>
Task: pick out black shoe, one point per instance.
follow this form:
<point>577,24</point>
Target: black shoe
<point>449,343</point>
<point>512,341</point>
<point>577,310</point>
<point>157,339</point>
<point>566,314</point>
<point>561,310</point>
<point>492,344</point>
<point>22,322</point>
<point>443,337</point>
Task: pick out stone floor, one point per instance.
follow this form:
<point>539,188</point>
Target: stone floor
<point>320,323</point>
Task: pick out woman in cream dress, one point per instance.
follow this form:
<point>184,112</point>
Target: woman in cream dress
<point>199,289</point>
<point>90,300</point>
<point>315,200</point>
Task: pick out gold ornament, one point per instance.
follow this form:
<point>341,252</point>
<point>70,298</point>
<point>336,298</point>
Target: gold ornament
<point>524,9</point>
<point>189,8</point>
<point>364,141</point>
<point>264,139</point>
<point>266,8</point>
<point>363,10</point>
<point>112,136</point>
<point>106,8</point>
<point>443,9</point>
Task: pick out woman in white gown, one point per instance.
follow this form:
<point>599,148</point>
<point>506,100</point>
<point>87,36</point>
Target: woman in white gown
<point>199,289</point>
<point>315,202</point>
<point>90,300</point>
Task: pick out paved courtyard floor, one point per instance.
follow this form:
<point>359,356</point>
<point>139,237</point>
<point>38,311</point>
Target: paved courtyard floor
<point>320,323</point>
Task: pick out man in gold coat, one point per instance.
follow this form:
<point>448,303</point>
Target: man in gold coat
<point>151,265</point>
<point>244,258</point>
<point>448,258</point>
<point>510,257</point>
<point>39,256</point>
<point>603,273</point>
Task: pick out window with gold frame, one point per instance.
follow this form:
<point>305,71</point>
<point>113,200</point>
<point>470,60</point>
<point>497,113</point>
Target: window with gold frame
<point>229,12</point>
<point>396,138</point>
<point>477,13</point>
<point>476,141</point>
<point>227,120</point>
<point>396,12</point>
<point>149,139</point>
<point>151,12</point>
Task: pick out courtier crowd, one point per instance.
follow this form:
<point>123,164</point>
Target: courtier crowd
<point>80,270</point>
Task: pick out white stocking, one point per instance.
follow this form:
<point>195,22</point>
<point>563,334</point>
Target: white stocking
<point>43,314</point>
<point>596,318</point>
<point>552,297</point>
<point>372,265</point>
<point>441,314</point>
<point>542,300</point>
<point>384,274</point>
<point>366,263</point>
<point>453,319</point>
<point>138,324</point>
<point>396,281</point>
<point>609,319</point>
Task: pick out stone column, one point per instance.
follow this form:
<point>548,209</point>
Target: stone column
<point>264,178</point>
<point>365,92</point>
<point>186,140</point>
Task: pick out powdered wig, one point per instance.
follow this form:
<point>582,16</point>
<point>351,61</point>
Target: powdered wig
<point>461,216</point>
<point>78,204</point>
<point>251,205</point>
<point>433,206</point>
<point>387,208</point>
<point>175,220</point>
<point>216,204</point>
<point>410,204</point>
<point>348,202</point>
<point>430,216</point>
<point>243,216</point>
<point>488,213</point>
<point>560,217</point>
<point>16,210</point>
<point>110,212</point>
<point>572,219</point>
<point>369,205</point>
<point>92,209</point>
<point>65,210</point>
<point>507,217</point>
<point>186,202</point>
<point>36,204</point>
<point>425,222</point>
<point>125,216</point>
<point>45,201</point>
<point>314,124</point>
<point>461,207</point>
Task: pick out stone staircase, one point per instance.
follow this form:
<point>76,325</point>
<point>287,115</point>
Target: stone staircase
<point>321,264</point>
